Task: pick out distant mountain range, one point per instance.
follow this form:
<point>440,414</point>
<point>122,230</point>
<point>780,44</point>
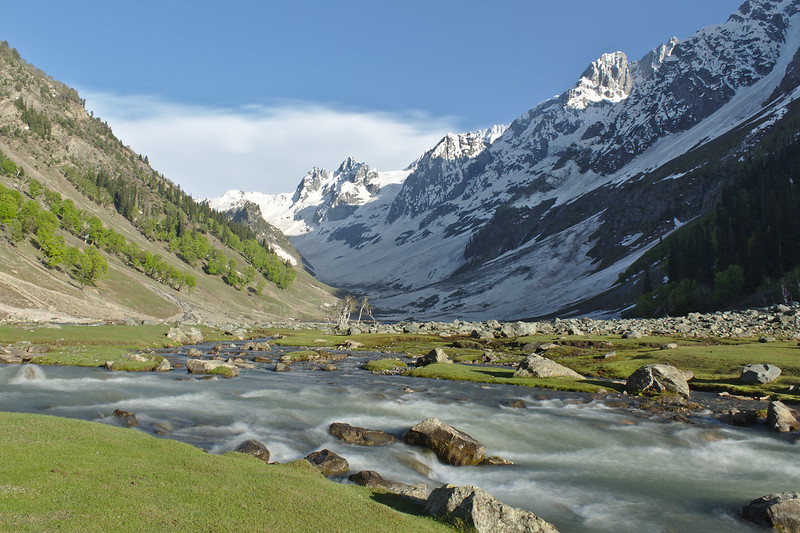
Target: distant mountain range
<point>542,216</point>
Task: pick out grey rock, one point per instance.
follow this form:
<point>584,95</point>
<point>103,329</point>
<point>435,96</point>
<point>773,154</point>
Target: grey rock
<point>518,329</point>
<point>254,448</point>
<point>360,436</point>
<point>221,368</point>
<point>329,463</point>
<point>185,335</point>
<point>780,511</point>
<point>657,379</point>
<point>759,373</point>
<point>536,366</point>
<point>163,366</point>
<point>194,352</point>
<point>735,417</point>
<point>436,355</point>
<point>632,335</point>
<point>280,366</point>
<point>450,445</point>
<point>781,419</point>
<point>483,511</point>
<point>372,479</point>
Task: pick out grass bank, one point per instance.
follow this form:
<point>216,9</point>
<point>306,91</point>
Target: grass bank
<point>72,475</point>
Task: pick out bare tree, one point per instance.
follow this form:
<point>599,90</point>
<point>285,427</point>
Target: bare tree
<point>365,307</point>
<point>346,308</point>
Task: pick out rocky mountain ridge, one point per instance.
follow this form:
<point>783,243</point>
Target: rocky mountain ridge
<point>547,214</point>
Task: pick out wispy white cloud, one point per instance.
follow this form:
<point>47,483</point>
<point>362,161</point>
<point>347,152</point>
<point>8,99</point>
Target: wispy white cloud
<point>261,148</point>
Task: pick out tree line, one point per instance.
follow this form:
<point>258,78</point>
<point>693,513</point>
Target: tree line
<point>746,250</point>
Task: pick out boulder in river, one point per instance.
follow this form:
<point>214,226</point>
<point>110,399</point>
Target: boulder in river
<point>127,418</point>
<point>483,511</point>
<point>163,366</point>
<point>360,436</point>
<point>329,463</point>
<point>450,445</point>
<point>759,374</point>
<point>779,511</point>
<point>218,368</point>
<point>780,418</point>
<point>436,355</point>
<point>536,366</point>
<point>373,480</point>
<point>254,448</point>
<point>658,379</point>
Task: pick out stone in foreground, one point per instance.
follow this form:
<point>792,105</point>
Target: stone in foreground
<point>759,374</point>
<point>373,480</point>
<point>360,436</point>
<point>217,368</point>
<point>436,355</point>
<point>254,448</point>
<point>780,418</point>
<point>536,366</point>
<point>658,379</point>
<point>483,511</point>
<point>329,463</point>
<point>779,511</point>
<point>450,445</point>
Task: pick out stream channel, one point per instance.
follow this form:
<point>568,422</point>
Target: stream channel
<point>580,464</point>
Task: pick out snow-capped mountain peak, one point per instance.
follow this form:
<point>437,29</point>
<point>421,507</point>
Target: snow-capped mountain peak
<point>606,79</point>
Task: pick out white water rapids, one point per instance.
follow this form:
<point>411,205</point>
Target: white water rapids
<point>579,464</point>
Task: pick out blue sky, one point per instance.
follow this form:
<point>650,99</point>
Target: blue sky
<point>251,95</point>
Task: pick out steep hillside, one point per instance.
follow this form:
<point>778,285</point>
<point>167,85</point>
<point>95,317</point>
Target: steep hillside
<point>88,230</point>
<point>544,217</point>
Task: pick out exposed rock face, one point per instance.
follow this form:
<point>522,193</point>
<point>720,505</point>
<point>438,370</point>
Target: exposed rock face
<point>436,355</point>
<point>254,448</point>
<point>536,366</point>
<point>779,511</point>
<point>372,479</point>
<point>780,418</point>
<point>450,445</point>
<point>658,379</point>
<point>329,463</point>
<point>360,436</point>
<point>607,79</point>
<point>219,368</point>
<point>762,374</point>
<point>185,335</point>
<point>483,511</point>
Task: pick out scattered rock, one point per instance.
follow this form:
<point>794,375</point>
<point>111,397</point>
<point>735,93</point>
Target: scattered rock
<point>185,335</point>
<point>194,352</point>
<point>254,448</point>
<point>217,368</point>
<point>766,339</point>
<point>127,418</point>
<point>632,335</point>
<point>735,417</point>
<point>450,445</point>
<point>780,418</point>
<point>372,479</point>
<point>670,346</point>
<point>496,460</point>
<point>280,366</point>
<point>329,463</point>
<point>135,357</point>
<point>657,379</point>
<point>360,436</point>
<point>515,404</point>
<point>759,373</point>
<point>779,511</point>
<point>483,511</point>
<point>261,359</point>
<point>536,366</point>
<point>162,366</point>
<point>436,355</point>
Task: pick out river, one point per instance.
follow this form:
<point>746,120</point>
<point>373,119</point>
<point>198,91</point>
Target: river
<point>580,464</point>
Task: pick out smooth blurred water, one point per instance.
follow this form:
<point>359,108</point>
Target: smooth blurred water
<point>579,464</point>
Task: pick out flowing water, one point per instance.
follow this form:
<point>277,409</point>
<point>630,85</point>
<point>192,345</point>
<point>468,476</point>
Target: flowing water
<point>579,464</point>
